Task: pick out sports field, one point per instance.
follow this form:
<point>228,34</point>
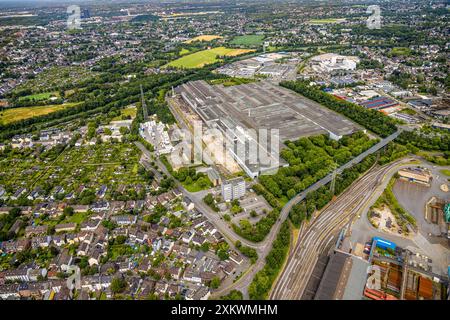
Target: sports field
<point>16,114</point>
<point>205,57</point>
<point>205,37</point>
<point>248,40</point>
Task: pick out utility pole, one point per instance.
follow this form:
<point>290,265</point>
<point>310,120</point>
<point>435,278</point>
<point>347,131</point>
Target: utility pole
<point>333,179</point>
<point>144,106</point>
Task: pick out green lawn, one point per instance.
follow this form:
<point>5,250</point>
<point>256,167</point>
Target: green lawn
<point>248,40</point>
<point>194,187</point>
<point>77,217</point>
<point>184,51</point>
<point>408,111</point>
<point>228,82</point>
<point>39,96</point>
<point>131,111</point>
<point>400,51</point>
<point>17,114</point>
<point>205,57</point>
<point>446,172</point>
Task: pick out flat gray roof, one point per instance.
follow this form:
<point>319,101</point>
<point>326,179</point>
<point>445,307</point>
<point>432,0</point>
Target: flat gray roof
<point>344,278</point>
<point>265,105</point>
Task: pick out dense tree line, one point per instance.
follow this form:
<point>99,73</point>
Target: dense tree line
<point>319,198</point>
<point>426,139</point>
<point>270,198</point>
<point>429,139</point>
<point>6,221</point>
<point>373,120</point>
<point>233,295</point>
<point>263,280</point>
<point>391,152</point>
<point>310,159</point>
<point>210,201</point>
<point>104,97</point>
<point>258,231</point>
<point>247,251</point>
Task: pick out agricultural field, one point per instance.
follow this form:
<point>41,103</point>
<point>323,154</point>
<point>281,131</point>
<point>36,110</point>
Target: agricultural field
<point>325,21</point>
<point>206,37</point>
<point>16,114</point>
<point>248,40</point>
<point>205,57</point>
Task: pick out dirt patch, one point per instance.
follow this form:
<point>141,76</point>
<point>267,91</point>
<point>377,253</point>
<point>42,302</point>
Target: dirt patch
<point>384,220</point>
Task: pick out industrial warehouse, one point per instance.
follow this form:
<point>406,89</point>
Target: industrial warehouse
<point>383,272</point>
<point>260,105</point>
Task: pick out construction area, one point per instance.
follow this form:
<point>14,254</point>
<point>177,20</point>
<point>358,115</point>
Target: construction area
<point>234,110</point>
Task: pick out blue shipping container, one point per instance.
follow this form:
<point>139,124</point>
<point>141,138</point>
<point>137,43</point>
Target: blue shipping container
<point>384,244</point>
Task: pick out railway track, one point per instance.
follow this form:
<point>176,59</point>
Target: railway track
<point>316,238</point>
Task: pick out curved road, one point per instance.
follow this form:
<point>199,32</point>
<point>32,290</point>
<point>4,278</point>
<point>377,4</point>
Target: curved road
<point>243,283</point>
<point>264,246</point>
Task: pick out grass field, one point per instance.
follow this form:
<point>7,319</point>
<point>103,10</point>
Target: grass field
<point>17,114</point>
<point>325,21</point>
<point>205,57</point>
<point>39,96</point>
<point>195,187</point>
<point>184,51</point>
<point>248,40</point>
<point>130,111</point>
<point>228,82</point>
<point>446,172</point>
<point>400,51</point>
<point>206,37</point>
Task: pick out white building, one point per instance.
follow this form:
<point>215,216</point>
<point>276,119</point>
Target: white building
<point>156,134</point>
<point>233,189</point>
<point>333,63</point>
